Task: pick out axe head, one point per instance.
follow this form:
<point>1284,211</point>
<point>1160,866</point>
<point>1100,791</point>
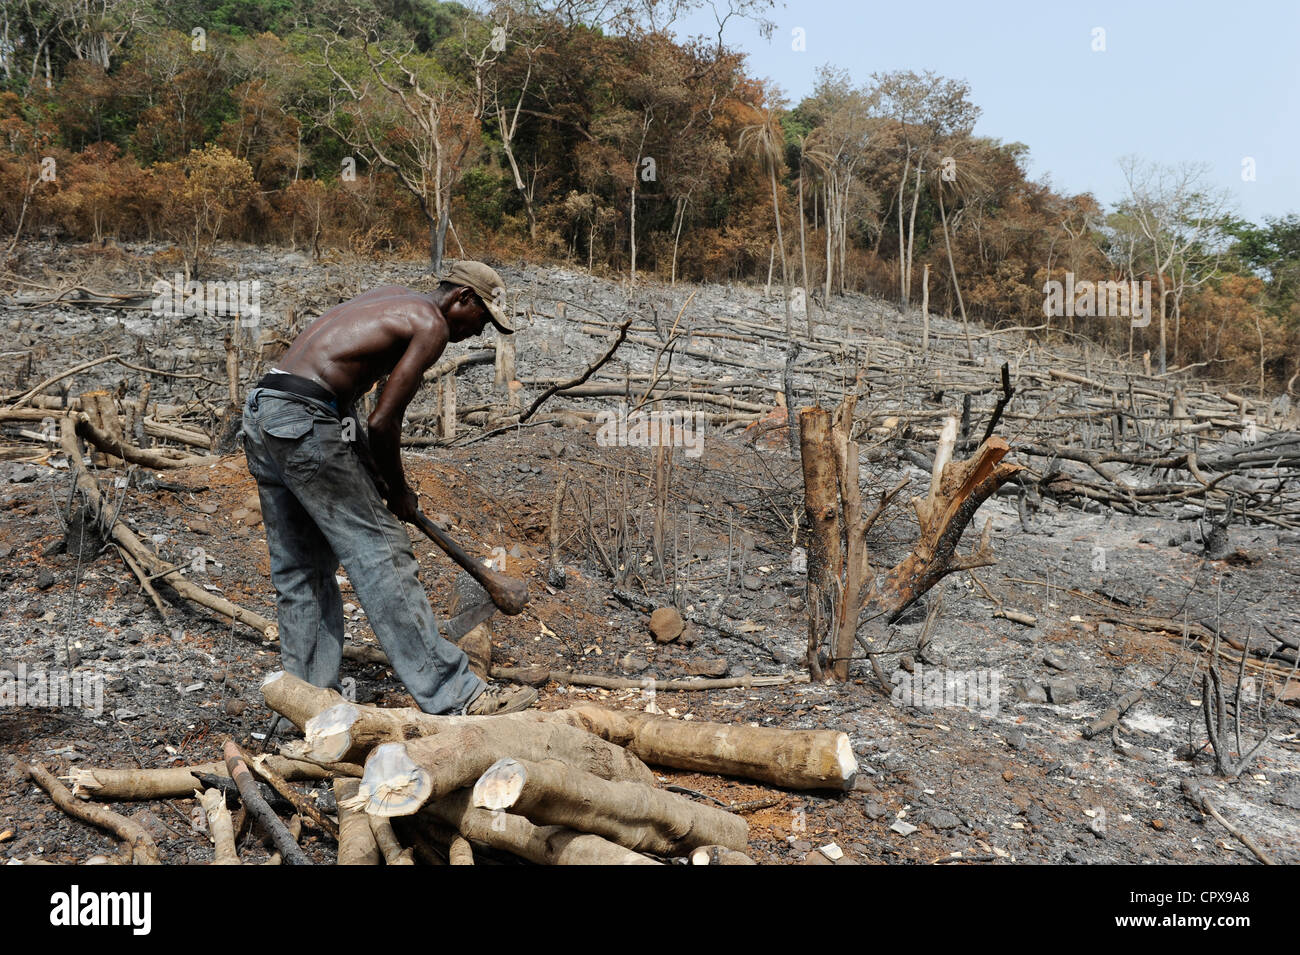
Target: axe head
<point>471,605</point>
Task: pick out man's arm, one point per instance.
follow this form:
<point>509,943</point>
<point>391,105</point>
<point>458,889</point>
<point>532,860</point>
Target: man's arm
<point>385,423</point>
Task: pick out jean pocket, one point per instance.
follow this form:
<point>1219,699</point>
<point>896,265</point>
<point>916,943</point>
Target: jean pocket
<point>294,445</point>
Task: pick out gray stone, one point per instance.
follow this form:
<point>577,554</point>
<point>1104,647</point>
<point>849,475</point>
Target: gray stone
<point>633,663</point>
<point>132,636</point>
<point>1016,739</point>
<point>44,579</point>
<point>941,819</point>
<point>1031,692</point>
<point>1106,629</point>
<point>1288,797</point>
<point>1063,691</point>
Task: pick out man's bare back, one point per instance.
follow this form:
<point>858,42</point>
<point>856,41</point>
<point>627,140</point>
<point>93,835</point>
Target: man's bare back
<point>391,331</point>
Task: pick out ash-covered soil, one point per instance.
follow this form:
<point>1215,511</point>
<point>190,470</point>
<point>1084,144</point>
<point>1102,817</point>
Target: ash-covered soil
<point>1007,779</point>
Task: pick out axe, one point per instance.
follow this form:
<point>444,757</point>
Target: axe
<point>507,594</point>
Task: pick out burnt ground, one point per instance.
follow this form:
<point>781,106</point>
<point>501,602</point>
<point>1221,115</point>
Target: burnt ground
<point>1010,781</point>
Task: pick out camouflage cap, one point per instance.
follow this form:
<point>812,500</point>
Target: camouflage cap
<point>484,280</point>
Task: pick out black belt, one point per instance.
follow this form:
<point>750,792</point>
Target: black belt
<point>297,385</point>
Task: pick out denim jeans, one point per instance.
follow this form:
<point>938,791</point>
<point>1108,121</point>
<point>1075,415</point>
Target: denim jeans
<point>320,507</point>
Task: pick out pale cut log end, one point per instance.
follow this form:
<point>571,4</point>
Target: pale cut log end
<point>328,735</point>
<point>84,783</point>
<point>846,760</point>
<point>392,785</point>
<point>500,785</point>
<point>719,855</point>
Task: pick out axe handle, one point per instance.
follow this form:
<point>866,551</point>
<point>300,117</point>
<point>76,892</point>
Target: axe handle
<point>510,594</point>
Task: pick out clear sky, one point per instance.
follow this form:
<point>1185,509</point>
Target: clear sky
<point>1177,81</point>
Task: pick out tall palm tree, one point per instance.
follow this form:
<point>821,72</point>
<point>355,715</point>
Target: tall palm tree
<point>766,142</point>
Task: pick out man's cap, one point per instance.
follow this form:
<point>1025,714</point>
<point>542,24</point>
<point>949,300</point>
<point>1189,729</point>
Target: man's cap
<point>485,282</point>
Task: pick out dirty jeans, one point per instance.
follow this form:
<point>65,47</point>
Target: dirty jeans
<point>320,507</point>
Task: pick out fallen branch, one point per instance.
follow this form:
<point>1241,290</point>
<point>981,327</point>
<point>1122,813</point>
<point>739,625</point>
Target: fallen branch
<point>573,382</point>
<point>139,848</point>
<point>259,810</point>
<point>118,785</point>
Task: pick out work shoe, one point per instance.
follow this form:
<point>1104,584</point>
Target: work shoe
<point>496,700</point>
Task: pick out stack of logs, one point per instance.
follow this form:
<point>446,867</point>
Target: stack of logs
<point>566,787</point>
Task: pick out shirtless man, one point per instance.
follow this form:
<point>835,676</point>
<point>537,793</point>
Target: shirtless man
<point>323,486</point>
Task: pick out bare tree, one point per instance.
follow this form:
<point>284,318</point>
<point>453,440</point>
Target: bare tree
<point>1181,220</point>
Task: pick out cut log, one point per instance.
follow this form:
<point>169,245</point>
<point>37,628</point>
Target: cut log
<point>633,815</point>
<point>401,777</point>
<point>357,844</point>
<point>719,855</point>
<point>115,785</point>
<point>460,852</point>
<point>794,759</point>
<point>213,802</point>
<point>545,845</point>
<point>386,839</point>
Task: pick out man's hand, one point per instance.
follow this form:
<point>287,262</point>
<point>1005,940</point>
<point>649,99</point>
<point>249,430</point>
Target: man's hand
<point>405,504</point>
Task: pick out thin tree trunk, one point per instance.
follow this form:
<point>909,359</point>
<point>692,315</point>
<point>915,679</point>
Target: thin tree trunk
<point>785,268</point>
<point>803,253</point>
<point>947,241</point>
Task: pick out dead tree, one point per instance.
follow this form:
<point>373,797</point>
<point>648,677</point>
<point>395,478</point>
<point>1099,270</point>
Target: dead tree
<point>842,583</point>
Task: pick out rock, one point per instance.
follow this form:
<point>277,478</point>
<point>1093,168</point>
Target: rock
<point>1055,660</point>
<point>796,602</point>
<point>1106,629</point>
<point>941,819</point>
<point>689,635</point>
<point>801,845</point>
<point>44,579</point>
<point>1016,739</point>
<point>151,824</point>
<point>5,551</point>
<point>234,707</point>
<point>253,503</point>
<point>1063,691</point>
<point>132,636</point>
<point>816,858</point>
<point>1288,797</point>
<point>516,551</point>
<point>781,657</point>
<point>902,828</point>
<point>1031,692</point>
<point>666,624</point>
<point>874,809</point>
<point>768,600</point>
<point>633,663</point>
<point>712,667</point>
<point>751,582</point>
